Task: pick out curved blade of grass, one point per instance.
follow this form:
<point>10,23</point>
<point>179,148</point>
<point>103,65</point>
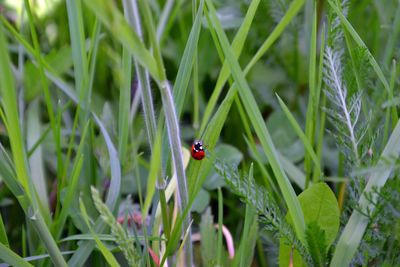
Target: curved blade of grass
<point>245,252</point>
<point>108,256</point>
<point>71,191</point>
<point>9,103</point>
<point>355,228</point>
<point>237,46</point>
<point>47,96</point>
<point>286,19</point>
<point>11,257</point>
<point>115,22</point>
<point>36,159</point>
<point>78,46</point>
<point>300,134</point>
<point>186,64</point>
<point>8,176</point>
<point>296,175</point>
<point>3,233</point>
<point>260,127</point>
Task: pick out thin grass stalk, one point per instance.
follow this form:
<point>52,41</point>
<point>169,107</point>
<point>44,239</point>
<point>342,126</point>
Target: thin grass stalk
<point>175,144</point>
<point>172,128</point>
<point>220,223</point>
<point>132,14</point>
<point>322,117</point>
<point>237,46</point>
<point>313,102</point>
<point>393,38</point>
<point>44,83</point>
<point>395,116</point>
<point>196,89</point>
<point>165,15</point>
<point>124,104</point>
<point>391,112</point>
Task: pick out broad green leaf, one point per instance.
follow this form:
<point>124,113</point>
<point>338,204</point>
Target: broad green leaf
<point>319,206</point>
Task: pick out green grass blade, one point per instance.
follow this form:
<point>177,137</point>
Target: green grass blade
<point>108,256</point>
<point>301,135</point>
<point>186,64</point>
<point>124,104</point>
<point>237,46</point>
<point>10,257</point>
<point>313,101</point>
<point>220,222</point>
<point>3,233</point>
<point>244,255</point>
<point>155,167</point>
<point>9,103</point>
<point>393,37</point>
<point>72,187</point>
<point>357,224</point>
<point>109,15</point>
<point>294,173</point>
<point>260,127</point>
<point>322,114</point>
<point>36,159</point>
<point>76,30</point>
<point>286,19</point>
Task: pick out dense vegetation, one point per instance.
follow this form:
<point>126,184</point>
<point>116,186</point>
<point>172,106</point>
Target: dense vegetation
<point>295,101</point>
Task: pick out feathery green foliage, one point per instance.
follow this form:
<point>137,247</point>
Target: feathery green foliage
<point>121,236</point>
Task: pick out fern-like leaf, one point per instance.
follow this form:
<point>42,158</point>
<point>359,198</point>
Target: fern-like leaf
<point>347,109</point>
<point>270,215</point>
<point>121,236</point>
<point>316,243</point>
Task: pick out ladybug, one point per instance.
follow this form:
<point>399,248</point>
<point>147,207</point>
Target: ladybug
<point>198,152</point>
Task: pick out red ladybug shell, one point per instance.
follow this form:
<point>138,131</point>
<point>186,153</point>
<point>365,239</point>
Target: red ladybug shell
<point>197,151</point>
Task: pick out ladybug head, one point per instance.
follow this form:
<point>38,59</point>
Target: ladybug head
<point>198,146</point>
